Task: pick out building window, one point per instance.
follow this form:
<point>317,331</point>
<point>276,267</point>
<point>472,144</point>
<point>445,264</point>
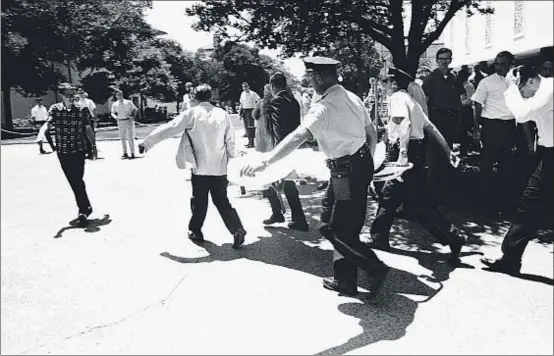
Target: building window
<point>488,27</point>
<point>467,35</point>
<point>519,19</point>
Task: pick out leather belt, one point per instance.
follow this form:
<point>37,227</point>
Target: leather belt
<point>345,160</point>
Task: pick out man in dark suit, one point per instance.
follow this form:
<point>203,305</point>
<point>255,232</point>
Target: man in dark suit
<point>284,119</point>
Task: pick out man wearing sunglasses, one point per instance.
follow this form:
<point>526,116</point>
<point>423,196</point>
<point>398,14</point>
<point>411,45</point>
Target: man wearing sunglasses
<point>70,121</point>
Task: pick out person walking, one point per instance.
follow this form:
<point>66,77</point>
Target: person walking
<point>248,100</point>
<point>39,115</point>
<point>262,114</point>
<point>124,111</point>
<point>284,119</point>
<point>347,137</point>
<point>408,122</point>
<point>533,101</point>
<point>208,141</point>
<point>70,121</point>
<point>91,131</point>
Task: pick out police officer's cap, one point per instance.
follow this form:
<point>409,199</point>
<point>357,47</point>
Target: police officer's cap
<point>319,63</point>
<point>400,74</point>
<point>65,86</point>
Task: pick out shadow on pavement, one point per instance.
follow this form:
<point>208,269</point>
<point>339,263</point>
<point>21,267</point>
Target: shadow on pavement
<point>92,226</point>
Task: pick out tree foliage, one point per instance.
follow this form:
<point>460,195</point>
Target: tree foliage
<point>300,26</point>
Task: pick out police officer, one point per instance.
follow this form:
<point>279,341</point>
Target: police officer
<point>347,137</point>
<point>407,125</point>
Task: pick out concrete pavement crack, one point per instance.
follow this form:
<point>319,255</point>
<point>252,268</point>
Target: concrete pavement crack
<point>163,301</point>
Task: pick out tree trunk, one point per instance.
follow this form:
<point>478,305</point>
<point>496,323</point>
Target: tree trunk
<point>69,76</point>
<point>6,99</point>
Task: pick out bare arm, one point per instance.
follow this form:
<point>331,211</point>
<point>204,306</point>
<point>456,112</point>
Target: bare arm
<point>290,143</point>
<point>404,138</point>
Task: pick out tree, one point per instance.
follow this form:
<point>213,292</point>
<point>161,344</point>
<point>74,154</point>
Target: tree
<point>298,26</point>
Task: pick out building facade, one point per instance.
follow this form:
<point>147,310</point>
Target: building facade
<point>521,27</point>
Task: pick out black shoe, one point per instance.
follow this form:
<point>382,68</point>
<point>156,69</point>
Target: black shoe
<point>323,185</point>
<point>274,219</point>
<point>250,145</point>
<point>82,220</point>
<point>133,156</point>
<point>125,156</point>
<point>299,225</point>
<point>456,245</point>
<point>378,243</point>
<point>378,282</point>
<point>196,236</point>
<point>333,284</point>
<point>238,237</point>
<point>42,152</point>
<point>503,265</point>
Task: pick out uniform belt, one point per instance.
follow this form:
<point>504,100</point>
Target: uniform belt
<point>123,119</point>
<point>447,111</point>
<point>345,160</point>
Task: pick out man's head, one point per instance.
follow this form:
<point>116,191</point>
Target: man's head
<point>66,90</point>
<point>444,58</point>
<point>118,94</point>
<point>203,93</point>
<point>545,59</point>
<point>322,72</point>
<point>398,79</point>
<point>188,87</point>
<point>38,101</point>
<point>278,82</point>
<point>529,81</point>
<point>245,86</point>
<point>503,62</point>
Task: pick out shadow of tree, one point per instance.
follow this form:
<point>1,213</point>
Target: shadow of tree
<point>93,225</point>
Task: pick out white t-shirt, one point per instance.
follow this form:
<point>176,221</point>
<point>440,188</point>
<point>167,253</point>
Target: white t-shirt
<point>401,104</point>
<point>248,99</point>
<point>40,113</point>
<point>338,121</point>
<point>124,110</point>
<point>490,94</point>
<point>186,102</point>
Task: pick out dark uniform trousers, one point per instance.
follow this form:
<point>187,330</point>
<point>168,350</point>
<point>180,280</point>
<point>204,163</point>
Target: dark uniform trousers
<point>536,205</point>
<point>498,137</point>
<point>73,166</point>
<point>395,192</point>
<point>289,188</point>
<point>217,187</point>
<point>347,220</point>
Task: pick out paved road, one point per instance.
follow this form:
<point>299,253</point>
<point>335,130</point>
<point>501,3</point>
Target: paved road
<point>131,283</point>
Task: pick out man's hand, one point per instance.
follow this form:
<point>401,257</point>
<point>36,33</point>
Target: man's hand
<point>454,159</point>
<point>402,160</point>
<point>512,78</point>
<point>250,169</point>
<point>142,148</point>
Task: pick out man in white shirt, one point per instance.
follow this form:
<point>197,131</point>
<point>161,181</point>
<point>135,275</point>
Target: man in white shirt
<point>39,115</point>
<point>248,100</point>
<point>407,125</point>
<point>187,97</point>
<point>212,139</point>
<point>533,101</point>
<point>124,111</point>
<point>498,133</point>
<point>347,137</point>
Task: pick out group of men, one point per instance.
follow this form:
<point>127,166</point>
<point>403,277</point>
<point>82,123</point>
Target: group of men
<point>340,123</point>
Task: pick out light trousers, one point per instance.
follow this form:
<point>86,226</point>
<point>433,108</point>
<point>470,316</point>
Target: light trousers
<point>127,134</point>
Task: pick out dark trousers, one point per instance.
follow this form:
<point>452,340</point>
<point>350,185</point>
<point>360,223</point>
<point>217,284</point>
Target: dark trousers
<point>217,187</point>
<point>73,166</point>
<point>395,192</point>
<point>289,188</point>
<point>249,125</point>
<point>347,220</point>
<point>498,137</point>
<point>536,205</point>
<point>449,124</point>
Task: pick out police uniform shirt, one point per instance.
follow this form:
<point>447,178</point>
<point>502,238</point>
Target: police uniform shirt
<point>538,108</point>
<point>338,120</point>
<point>401,104</point>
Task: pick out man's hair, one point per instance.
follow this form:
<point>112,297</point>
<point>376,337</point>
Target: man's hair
<point>188,83</point>
<point>203,92</point>
<point>117,90</point>
<point>38,99</point>
<point>528,72</point>
<point>506,54</point>
<point>245,83</point>
<point>402,82</point>
<point>278,80</point>
<point>443,50</point>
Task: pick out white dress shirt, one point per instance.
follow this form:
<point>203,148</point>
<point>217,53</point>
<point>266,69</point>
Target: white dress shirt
<point>248,99</point>
<point>401,104</point>
<point>416,91</point>
<point>124,110</point>
<point>538,108</point>
<point>39,113</point>
<point>490,94</point>
<point>211,134</point>
<point>338,120</point>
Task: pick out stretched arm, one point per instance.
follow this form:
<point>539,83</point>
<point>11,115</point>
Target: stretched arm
<point>230,146</point>
<point>370,132</point>
<point>523,109</point>
<point>290,143</point>
<point>176,126</point>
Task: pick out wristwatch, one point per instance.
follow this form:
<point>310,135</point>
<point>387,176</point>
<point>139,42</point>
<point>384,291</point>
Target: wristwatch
<point>404,152</point>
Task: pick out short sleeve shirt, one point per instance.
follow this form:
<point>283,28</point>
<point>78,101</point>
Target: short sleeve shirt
<point>401,104</point>
<point>248,99</point>
<point>338,120</point>
<point>490,94</point>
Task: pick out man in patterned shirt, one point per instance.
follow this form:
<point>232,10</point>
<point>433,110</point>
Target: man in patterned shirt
<point>70,121</point>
